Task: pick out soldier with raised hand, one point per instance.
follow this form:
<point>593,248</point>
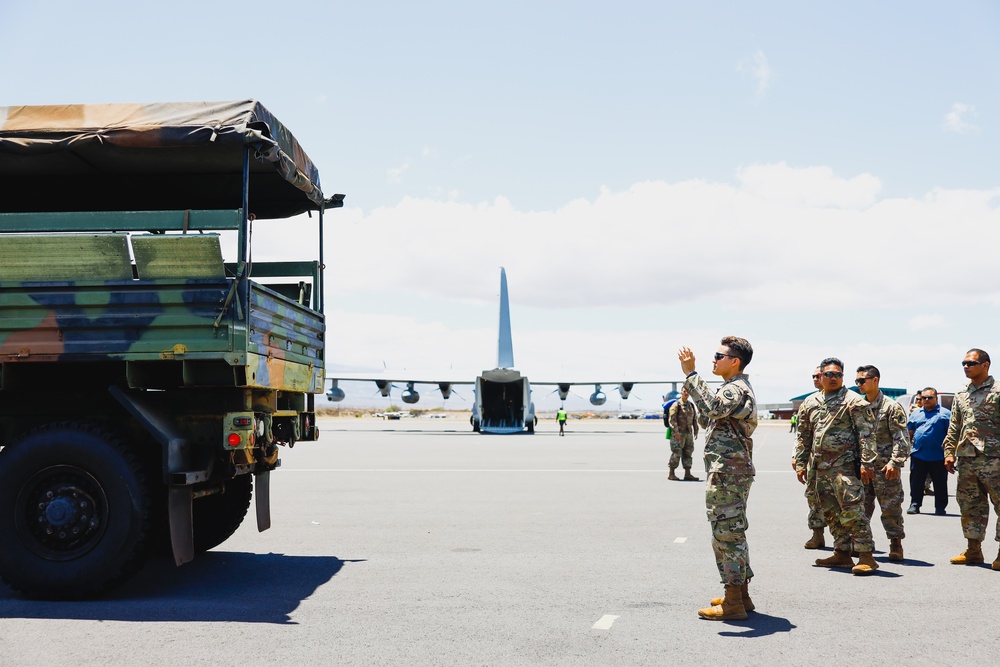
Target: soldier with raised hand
<point>892,445</point>
<point>835,431</point>
<point>683,431</point>
<point>729,416</point>
<point>973,441</point>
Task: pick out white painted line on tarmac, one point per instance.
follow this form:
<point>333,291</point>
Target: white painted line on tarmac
<point>680,540</point>
<point>504,470</point>
<point>605,623</point>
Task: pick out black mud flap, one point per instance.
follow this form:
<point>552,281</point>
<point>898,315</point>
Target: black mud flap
<point>181,524</point>
<point>262,491</point>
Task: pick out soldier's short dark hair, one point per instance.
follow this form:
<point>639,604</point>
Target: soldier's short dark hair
<point>832,360</point>
<point>981,355</point>
<point>869,371</point>
<point>929,389</point>
<point>739,348</point>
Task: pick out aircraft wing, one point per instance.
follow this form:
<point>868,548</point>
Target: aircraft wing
<point>385,384</point>
<point>624,388</point>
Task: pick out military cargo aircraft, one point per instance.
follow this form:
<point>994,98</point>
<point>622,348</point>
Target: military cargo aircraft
<point>502,403</point>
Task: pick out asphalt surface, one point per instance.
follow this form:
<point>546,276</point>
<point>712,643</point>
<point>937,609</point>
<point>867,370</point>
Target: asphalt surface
<point>418,542</point>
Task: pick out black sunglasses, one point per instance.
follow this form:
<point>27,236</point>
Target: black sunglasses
<point>816,377</point>
<point>833,374</point>
<point>861,381</point>
<point>928,398</point>
<point>719,356</point>
<point>971,363</point>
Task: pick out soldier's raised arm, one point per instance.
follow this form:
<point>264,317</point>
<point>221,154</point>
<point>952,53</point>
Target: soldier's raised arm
<point>730,401</point>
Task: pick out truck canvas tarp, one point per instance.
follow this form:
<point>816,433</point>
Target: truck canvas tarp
<point>118,157</point>
<point>145,379</point>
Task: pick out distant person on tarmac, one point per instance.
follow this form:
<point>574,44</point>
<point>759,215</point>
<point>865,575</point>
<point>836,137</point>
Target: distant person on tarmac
<point>561,418</point>
<point>683,430</point>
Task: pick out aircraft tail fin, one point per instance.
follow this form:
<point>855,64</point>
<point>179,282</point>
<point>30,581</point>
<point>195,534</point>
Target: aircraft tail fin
<point>505,346</point>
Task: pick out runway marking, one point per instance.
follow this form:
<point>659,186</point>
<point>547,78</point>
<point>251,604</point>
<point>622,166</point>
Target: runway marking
<point>656,472</point>
<point>601,470</point>
<point>680,540</point>
<point>605,623</point>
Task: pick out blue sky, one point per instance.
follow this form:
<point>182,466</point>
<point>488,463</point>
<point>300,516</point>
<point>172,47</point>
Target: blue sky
<point>822,180</point>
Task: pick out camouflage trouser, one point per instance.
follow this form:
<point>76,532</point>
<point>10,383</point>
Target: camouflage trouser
<point>978,483</point>
<point>841,496</point>
<point>815,519</point>
<point>726,501</point>
<point>890,498</point>
<point>681,450</point>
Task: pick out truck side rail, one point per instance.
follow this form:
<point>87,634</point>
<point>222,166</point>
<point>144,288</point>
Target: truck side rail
<point>121,221</point>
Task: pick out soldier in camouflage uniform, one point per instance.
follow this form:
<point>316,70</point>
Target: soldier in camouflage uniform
<point>892,444</point>
<point>683,430</point>
<point>730,417</point>
<point>835,431</point>
<point>974,438</point>
<point>815,519</point>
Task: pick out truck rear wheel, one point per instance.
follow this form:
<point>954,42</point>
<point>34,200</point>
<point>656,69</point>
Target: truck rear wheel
<point>217,517</point>
<point>75,512</point>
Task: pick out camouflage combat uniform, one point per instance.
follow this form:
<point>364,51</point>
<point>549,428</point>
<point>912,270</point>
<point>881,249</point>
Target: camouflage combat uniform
<point>892,445</point>
<point>830,427</point>
<point>729,417</point>
<point>974,440</point>
<point>815,519</point>
<point>683,423</point>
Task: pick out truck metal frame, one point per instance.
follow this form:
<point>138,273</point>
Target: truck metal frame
<point>144,381</point>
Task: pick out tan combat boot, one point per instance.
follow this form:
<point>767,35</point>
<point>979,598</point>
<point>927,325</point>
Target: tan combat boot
<point>838,559</point>
<point>971,556</point>
<point>866,564</point>
<point>672,476</point>
<point>995,566</point>
<point>817,541</point>
<point>688,477</point>
<point>731,609</point>
<point>895,548</point>
<point>745,591</point>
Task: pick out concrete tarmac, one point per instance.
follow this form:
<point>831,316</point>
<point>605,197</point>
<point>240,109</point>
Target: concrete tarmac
<point>417,542</point>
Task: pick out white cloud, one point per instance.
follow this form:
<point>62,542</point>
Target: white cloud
<point>395,174</point>
<point>809,187</point>
<point>926,322</point>
<point>761,72</point>
<point>956,119</point>
<point>781,251</point>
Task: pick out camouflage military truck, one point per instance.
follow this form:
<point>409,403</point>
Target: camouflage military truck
<point>146,383</point>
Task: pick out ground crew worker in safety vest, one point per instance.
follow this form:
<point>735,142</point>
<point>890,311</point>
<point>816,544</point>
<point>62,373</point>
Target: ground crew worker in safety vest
<point>561,416</point>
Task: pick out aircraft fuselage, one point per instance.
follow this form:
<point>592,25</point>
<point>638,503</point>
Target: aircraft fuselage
<point>503,403</point>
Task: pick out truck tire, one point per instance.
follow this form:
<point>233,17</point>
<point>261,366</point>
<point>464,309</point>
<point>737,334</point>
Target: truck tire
<point>217,517</point>
<point>76,507</point>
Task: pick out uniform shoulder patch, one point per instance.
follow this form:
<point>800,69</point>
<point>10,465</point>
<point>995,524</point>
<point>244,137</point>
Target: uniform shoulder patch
<point>729,394</point>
